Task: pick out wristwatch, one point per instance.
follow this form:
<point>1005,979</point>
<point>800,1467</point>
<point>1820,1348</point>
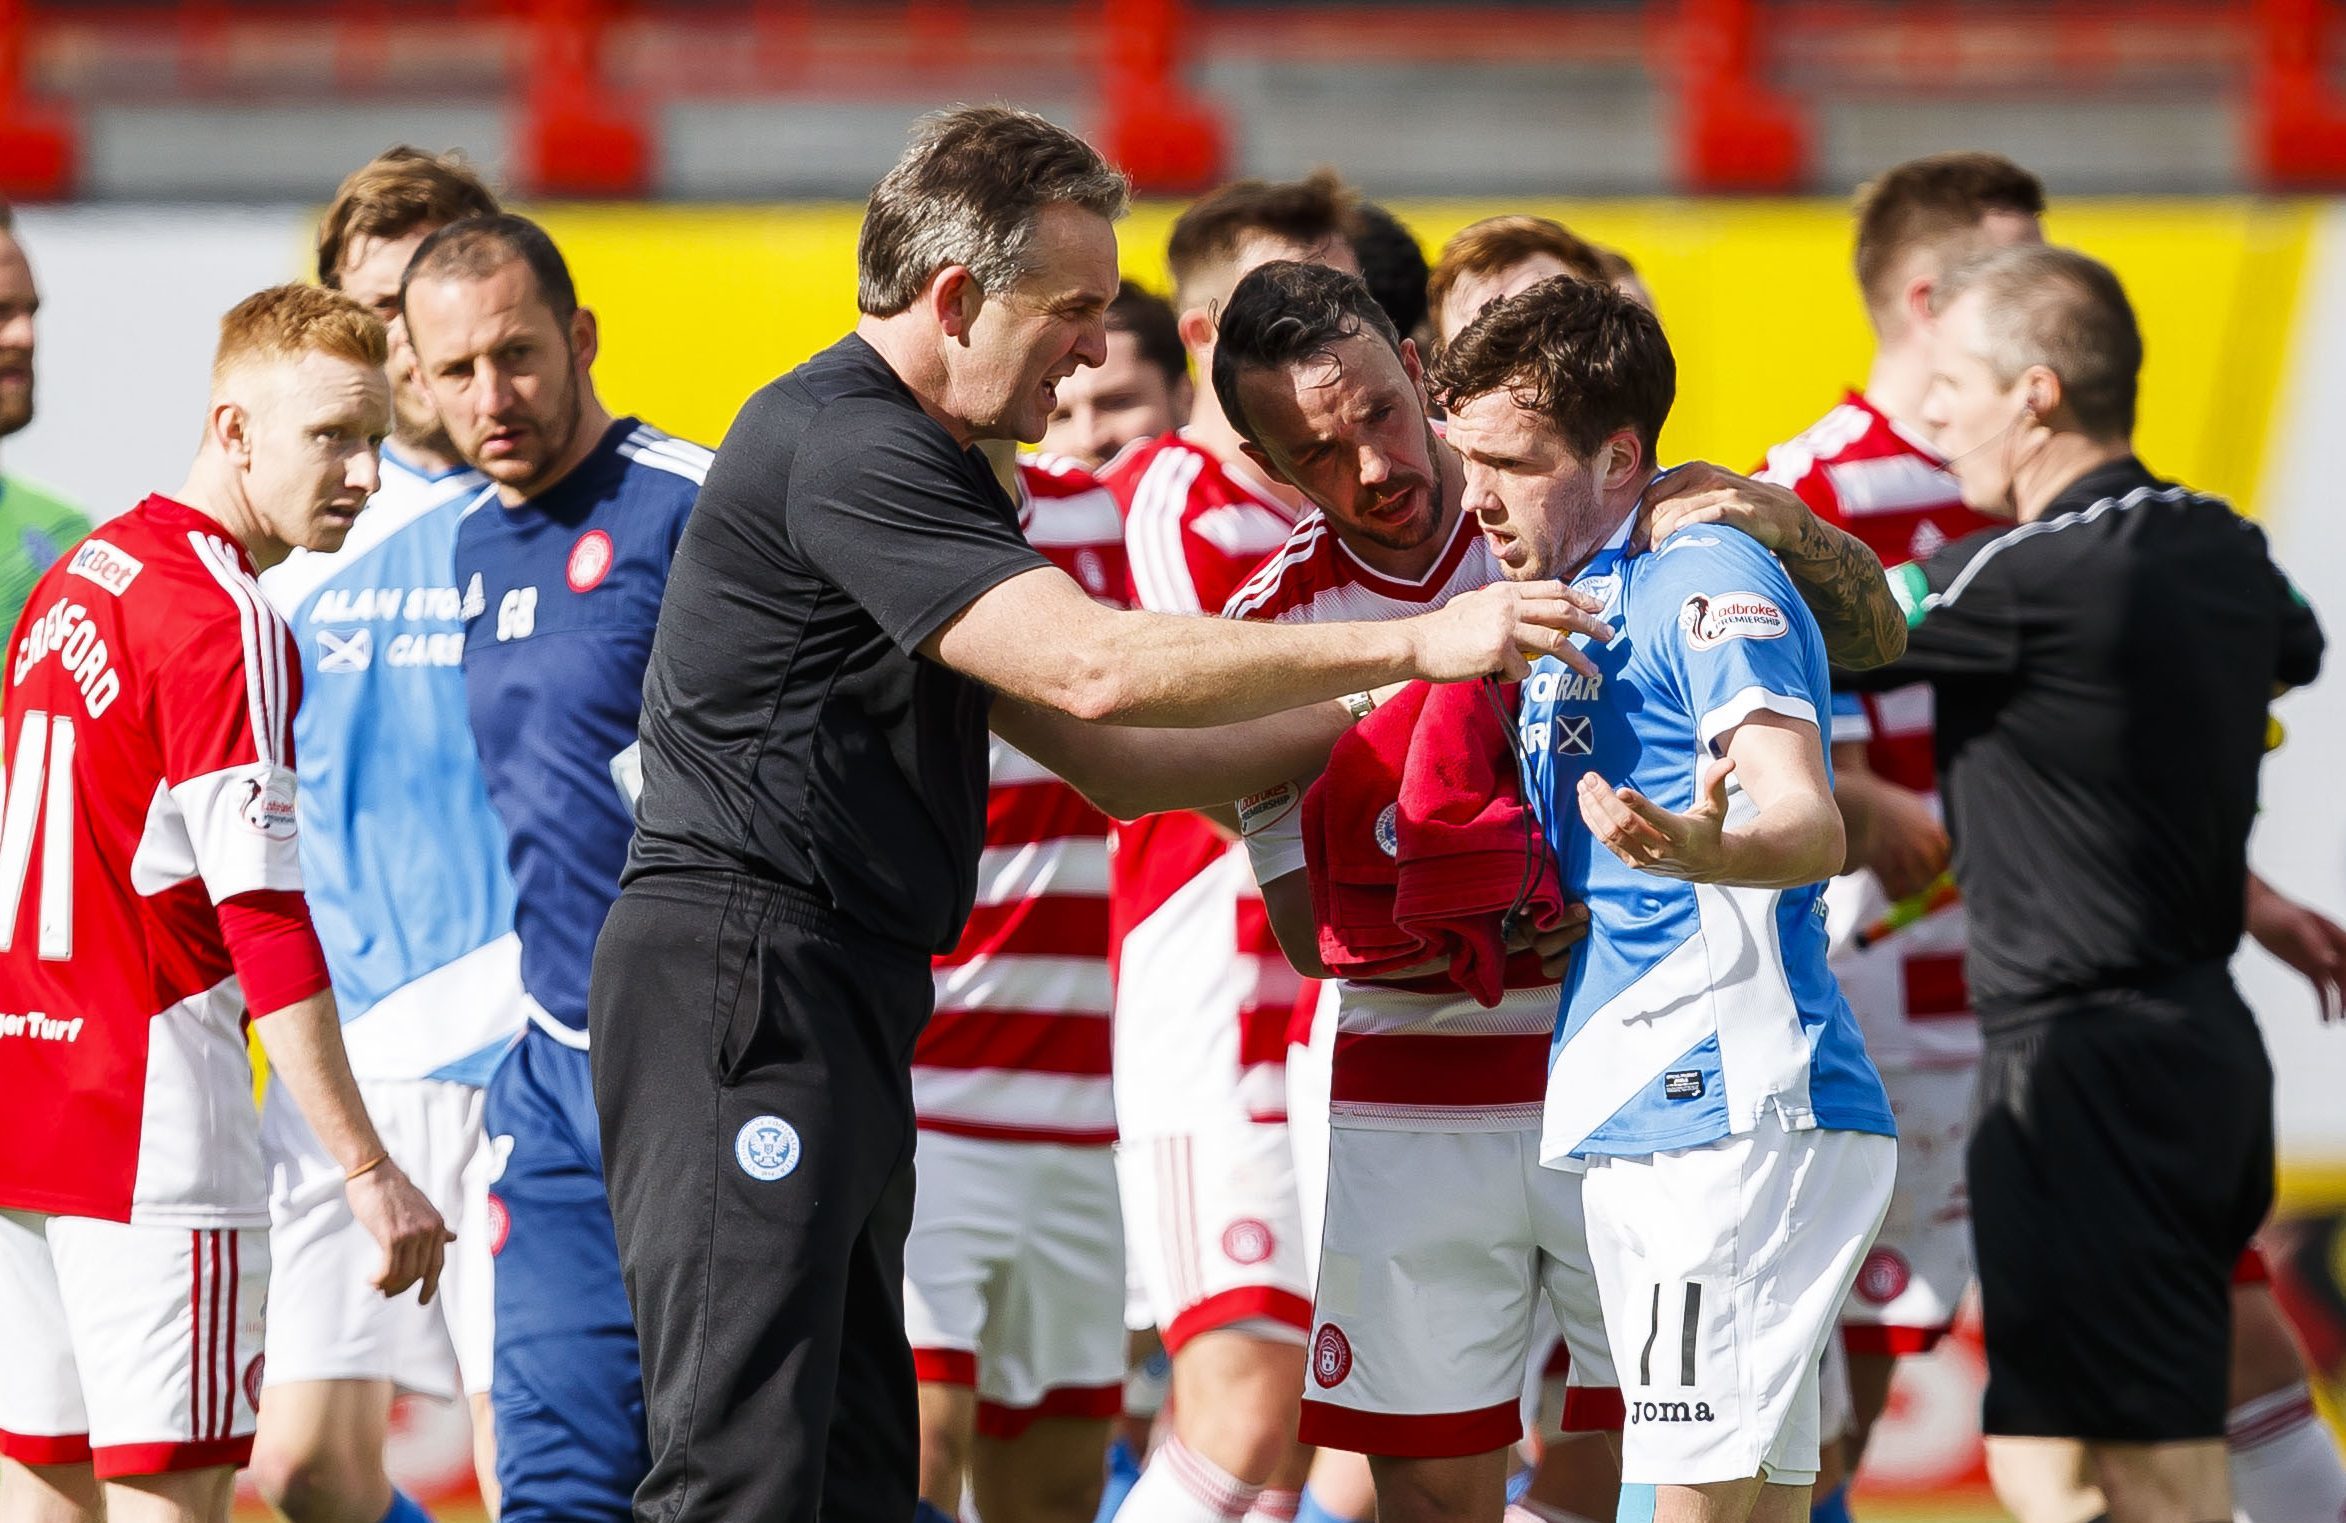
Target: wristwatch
<point>1359,705</point>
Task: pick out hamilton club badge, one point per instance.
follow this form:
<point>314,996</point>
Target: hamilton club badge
<point>1331,1356</point>
<point>766,1147</point>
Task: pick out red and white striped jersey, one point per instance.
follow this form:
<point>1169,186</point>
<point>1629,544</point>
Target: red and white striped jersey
<point>1202,990</point>
<point>1859,469</point>
<point>1019,1046</point>
<point>1194,527</point>
<point>149,779</point>
<point>1422,1056</point>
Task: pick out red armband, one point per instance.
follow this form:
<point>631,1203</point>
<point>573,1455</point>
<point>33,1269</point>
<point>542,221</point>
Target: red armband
<point>274,947</point>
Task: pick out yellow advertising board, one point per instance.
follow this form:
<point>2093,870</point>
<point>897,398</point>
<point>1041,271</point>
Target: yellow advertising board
<point>700,305</point>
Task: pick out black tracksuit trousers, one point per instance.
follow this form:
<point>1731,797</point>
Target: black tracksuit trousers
<point>751,1055</point>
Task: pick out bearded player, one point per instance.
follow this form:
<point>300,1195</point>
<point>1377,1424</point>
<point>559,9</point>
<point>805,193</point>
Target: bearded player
<point>1331,400</point>
<point>1212,1215</point>
<point>150,908</point>
<point>394,820</point>
<point>563,566</point>
<point>1432,1163</point>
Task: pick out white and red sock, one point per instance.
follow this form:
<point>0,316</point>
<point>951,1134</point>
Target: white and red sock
<point>1181,1485</point>
<point>2285,1466</point>
<point>1274,1506</point>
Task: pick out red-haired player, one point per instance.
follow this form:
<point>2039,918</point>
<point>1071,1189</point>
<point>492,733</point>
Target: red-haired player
<point>150,906</point>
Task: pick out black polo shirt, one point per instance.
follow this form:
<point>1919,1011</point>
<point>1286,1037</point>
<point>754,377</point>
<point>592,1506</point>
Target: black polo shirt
<point>2102,677</point>
<point>791,730</point>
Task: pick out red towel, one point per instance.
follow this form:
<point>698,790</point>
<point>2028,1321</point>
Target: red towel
<point>1471,852</point>
<point>1414,839</point>
<point>1351,843</point>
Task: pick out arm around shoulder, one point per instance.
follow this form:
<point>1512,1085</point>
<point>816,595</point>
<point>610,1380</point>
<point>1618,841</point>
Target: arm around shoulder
<point>1838,577</point>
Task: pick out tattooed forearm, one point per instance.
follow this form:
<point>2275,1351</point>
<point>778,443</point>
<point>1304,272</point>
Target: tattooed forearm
<point>1842,583</point>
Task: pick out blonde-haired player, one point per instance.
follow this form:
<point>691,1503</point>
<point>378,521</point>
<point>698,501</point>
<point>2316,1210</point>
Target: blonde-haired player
<point>150,904</point>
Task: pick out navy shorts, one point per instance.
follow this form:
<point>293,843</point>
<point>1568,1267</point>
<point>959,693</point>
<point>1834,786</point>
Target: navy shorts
<point>567,1388</point>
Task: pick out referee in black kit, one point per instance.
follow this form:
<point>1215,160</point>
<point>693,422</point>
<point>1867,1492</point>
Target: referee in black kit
<point>2102,675</point>
<point>851,589</point>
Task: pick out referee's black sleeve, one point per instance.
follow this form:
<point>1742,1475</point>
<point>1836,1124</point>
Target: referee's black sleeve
<point>1964,614</point>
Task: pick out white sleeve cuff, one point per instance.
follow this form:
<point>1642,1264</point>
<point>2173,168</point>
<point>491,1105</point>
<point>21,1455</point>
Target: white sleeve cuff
<point>1717,723</point>
<point>1274,854</point>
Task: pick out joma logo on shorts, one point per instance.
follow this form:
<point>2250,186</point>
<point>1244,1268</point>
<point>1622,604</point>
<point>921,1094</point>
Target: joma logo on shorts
<point>1670,1412</point>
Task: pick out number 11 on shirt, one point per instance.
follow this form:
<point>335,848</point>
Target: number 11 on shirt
<point>48,741</point>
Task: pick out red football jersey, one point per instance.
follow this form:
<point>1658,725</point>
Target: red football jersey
<point>1195,530</point>
<point>1859,470</point>
<point>148,735</point>
<point>1019,1046</point>
<point>1407,1056</point>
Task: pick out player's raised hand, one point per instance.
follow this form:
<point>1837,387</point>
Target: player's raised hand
<point>1503,627</point>
<point>1702,493</point>
<point>408,1228</point>
<point>1656,840</point>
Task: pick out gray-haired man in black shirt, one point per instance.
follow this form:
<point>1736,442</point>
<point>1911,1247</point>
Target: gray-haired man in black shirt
<point>2102,675</point>
<point>851,597</point>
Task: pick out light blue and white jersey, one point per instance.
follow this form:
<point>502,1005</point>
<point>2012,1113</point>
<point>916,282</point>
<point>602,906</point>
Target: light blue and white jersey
<point>403,858</point>
<point>1692,1010</point>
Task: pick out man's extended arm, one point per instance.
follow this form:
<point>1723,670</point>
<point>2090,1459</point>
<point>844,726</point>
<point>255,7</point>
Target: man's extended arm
<point>1130,771</point>
<point>1794,838</point>
<point>1839,579</point>
<point>1964,613</point>
<point>1037,637</point>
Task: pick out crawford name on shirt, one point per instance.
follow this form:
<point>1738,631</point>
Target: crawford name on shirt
<point>66,632</point>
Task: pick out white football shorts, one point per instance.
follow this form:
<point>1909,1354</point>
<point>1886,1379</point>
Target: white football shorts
<point>1723,1269</point>
<point>134,1349</point>
<point>1014,1277</point>
<point>1213,1225</point>
<point>1310,1073</point>
<point>1556,1405</point>
<point>1438,1249</point>
<point>327,1321</point>
<point>1912,1281</point>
